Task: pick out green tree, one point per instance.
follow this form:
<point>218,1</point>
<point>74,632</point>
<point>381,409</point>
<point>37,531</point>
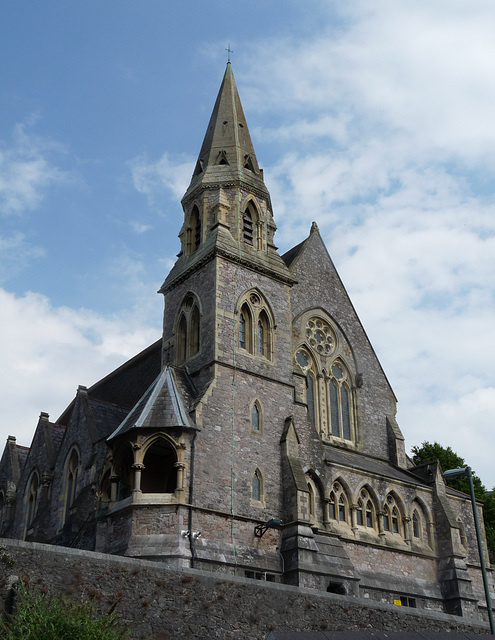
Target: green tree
<point>38,616</point>
<point>448,459</point>
<point>428,452</point>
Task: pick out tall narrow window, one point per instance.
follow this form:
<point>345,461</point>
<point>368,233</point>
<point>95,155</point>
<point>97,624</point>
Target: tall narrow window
<point>311,500</point>
<point>365,513</point>
<point>255,325</point>
<point>32,498</point>
<point>71,477</point>
<point>339,505</point>
<point>310,395</point>
<point>256,486</point>
<point>242,331</point>
<point>188,329</point>
<point>245,328</point>
<point>248,225</point>
<point>416,525</point>
<point>261,338</point>
<point>255,418</point>
<point>194,231</point>
<point>182,340</point>
<point>194,340</point>
<point>391,515</point>
<point>263,334</point>
<point>339,400</point>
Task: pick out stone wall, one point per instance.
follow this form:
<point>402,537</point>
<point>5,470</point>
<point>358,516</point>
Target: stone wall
<point>162,604</point>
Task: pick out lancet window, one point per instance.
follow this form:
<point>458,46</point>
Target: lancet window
<point>256,417</point>
<point>71,478</point>
<point>257,486</point>
<point>32,499</point>
<point>193,232</point>
<point>251,226</point>
<point>392,519</point>
<point>338,504</point>
<point>188,329</point>
<point>365,510</point>
<point>255,325</point>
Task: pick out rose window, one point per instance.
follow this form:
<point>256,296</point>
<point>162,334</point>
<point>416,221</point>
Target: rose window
<point>320,336</point>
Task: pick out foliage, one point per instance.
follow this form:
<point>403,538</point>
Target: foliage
<point>448,459</point>
<point>38,616</point>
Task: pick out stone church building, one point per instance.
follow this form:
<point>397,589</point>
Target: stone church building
<point>258,436</point>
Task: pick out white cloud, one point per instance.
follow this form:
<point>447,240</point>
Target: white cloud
<point>153,178</point>
<point>48,351</point>
<point>15,253</point>
<point>26,170</point>
<point>388,134</point>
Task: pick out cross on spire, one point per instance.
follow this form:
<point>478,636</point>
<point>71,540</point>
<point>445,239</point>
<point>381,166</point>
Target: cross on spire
<point>229,50</point>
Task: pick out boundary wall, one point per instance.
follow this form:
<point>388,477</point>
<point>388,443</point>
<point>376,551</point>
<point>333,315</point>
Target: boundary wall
<point>159,603</point>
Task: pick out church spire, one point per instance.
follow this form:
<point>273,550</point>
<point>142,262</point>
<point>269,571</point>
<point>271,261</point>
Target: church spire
<point>227,207</point>
<point>227,151</point>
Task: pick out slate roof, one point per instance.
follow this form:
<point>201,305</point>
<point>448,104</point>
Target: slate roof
<point>165,404</point>
<point>126,384</point>
<point>375,466</point>
<point>106,416</point>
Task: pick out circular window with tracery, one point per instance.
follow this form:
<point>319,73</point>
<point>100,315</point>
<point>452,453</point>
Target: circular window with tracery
<point>320,336</point>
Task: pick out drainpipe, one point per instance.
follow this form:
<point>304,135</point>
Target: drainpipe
<point>191,485</point>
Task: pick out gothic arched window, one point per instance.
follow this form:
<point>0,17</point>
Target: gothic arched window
<point>329,394</point>
<point>160,473</point>
<point>339,398</point>
<point>32,499</point>
<point>256,423</point>
<point>310,396</point>
<point>392,520</point>
<point>187,329</point>
<point>257,486</point>
<point>255,325</point>
<point>251,226</point>
<point>71,478</point>
<point>338,503</point>
<point>194,230</point>
<point>365,511</point>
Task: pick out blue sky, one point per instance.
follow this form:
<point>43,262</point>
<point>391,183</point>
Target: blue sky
<point>374,119</point>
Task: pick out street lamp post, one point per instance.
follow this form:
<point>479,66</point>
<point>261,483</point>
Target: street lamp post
<point>457,473</point>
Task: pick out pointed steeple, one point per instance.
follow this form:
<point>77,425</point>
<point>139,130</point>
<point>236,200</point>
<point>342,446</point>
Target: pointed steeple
<point>227,149</point>
<point>227,207</point>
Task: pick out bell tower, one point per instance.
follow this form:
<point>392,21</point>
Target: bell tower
<point>228,220</point>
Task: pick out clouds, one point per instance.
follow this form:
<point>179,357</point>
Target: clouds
<point>153,178</point>
<point>41,340</point>
<point>27,170</point>
<point>375,120</point>
<point>387,140</point>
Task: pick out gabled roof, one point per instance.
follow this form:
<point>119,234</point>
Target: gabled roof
<point>126,384</point>
<point>165,404</point>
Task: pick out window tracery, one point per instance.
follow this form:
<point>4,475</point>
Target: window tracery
<point>328,389</point>
<point>392,519</point>
<point>188,329</point>
<point>255,326</point>
<point>338,503</point>
<point>365,510</point>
